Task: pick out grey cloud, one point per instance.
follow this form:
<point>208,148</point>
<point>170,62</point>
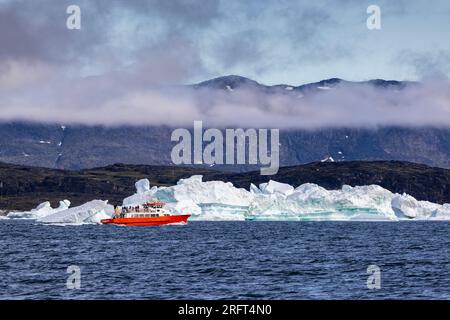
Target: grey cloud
<point>240,48</point>
<point>177,12</point>
<point>36,31</point>
<point>109,72</point>
<point>346,105</point>
<point>435,64</point>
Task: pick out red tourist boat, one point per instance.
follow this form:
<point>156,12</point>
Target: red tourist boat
<point>148,214</point>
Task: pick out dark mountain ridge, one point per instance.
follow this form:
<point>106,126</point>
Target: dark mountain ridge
<point>23,187</point>
<point>237,82</point>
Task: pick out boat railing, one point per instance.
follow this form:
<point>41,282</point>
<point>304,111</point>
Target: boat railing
<point>150,207</point>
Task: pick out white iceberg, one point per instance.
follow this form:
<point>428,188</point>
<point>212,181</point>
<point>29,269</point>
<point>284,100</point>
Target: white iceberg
<point>442,213</point>
<point>142,186</point>
<point>408,207</point>
<point>312,202</point>
<point>276,187</point>
<point>42,210</point>
<point>217,200</point>
<point>143,193</point>
<point>183,207</point>
<point>211,200</point>
<point>90,212</point>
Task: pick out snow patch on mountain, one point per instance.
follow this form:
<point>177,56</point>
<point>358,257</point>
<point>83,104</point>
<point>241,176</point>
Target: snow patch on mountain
<point>328,159</point>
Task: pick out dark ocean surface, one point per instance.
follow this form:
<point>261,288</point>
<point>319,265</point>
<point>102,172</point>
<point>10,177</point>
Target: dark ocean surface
<point>226,260</point>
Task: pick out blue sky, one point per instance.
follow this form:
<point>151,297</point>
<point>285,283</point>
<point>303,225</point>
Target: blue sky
<point>304,41</point>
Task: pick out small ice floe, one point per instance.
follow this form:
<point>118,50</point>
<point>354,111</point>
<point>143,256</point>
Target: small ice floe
<point>63,128</point>
<point>323,88</point>
<point>289,88</point>
<point>25,154</point>
<point>44,142</point>
<point>228,88</point>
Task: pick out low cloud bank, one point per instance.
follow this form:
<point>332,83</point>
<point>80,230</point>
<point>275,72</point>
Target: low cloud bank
<point>118,100</point>
<point>109,74</point>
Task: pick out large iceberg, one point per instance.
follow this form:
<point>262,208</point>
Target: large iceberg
<point>217,200</point>
<point>312,202</point>
<point>211,200</point>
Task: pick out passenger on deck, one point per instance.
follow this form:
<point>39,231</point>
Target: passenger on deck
<point>116,211</point>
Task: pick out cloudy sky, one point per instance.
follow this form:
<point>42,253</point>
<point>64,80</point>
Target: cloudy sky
<point>126,45</point>
<point>272,41</point>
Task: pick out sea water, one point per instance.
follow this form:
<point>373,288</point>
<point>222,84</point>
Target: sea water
<point>226,260</point>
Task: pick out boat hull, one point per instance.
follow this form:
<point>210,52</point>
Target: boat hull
<point>156,221</point>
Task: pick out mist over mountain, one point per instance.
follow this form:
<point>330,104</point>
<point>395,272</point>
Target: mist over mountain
<point>232,101</point>
<point>76,146</point>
